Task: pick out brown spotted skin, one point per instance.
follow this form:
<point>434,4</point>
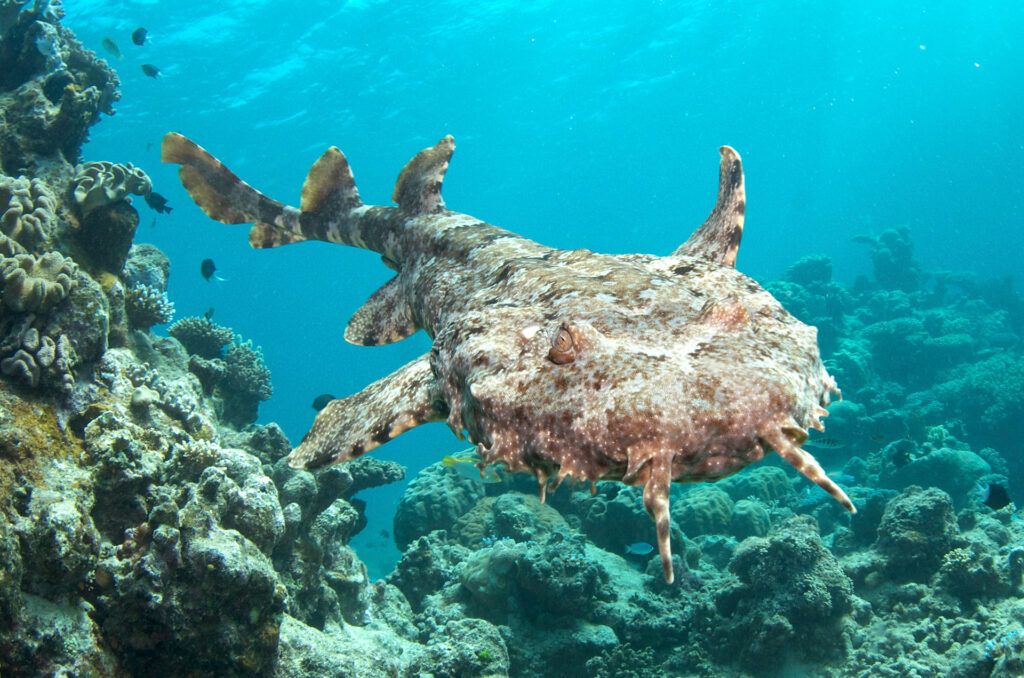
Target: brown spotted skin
<point>562,363</point>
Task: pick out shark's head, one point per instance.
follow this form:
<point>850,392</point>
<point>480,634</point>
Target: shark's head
<point>601,384</point>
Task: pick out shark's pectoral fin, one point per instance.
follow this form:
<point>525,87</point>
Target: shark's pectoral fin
<point>349,427</point>
<point>718,238</point>
<point>418,189</point>
<point>385,317</point>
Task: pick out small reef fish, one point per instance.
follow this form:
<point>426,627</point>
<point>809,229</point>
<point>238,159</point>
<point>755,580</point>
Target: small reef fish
<point>641,548</point>
<point>320,402</point>
<point>157,202</point>
<point>207,269</point>
<point>825,443</point>
<point>209,314</point>
<point>150,70</point>
<point>111,47</point>
<point>139,36</point>
<point>992,495</point>
<point>572,364</point>
<point>467,468</point>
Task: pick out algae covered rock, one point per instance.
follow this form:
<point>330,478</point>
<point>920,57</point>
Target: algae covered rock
<point>917,530</point>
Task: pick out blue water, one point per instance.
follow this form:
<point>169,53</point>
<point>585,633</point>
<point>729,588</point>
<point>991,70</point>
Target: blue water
<point>579,124</point>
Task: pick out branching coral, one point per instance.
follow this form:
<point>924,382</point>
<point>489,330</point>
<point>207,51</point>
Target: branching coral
<point>101,183</point>
<point>146,306</point>
<point>245,383</point>
<point>201,336</point>
<point>27,210</point>
<point>36,284</point>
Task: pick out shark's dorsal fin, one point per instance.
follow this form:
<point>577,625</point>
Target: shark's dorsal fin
<point>349,427</point>
<point>718,238</point>
<point>418,189</point>
<point>385,317</point>
<point>330,185</point>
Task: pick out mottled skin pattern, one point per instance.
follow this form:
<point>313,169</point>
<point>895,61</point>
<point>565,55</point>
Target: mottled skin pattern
<point>563,363</point>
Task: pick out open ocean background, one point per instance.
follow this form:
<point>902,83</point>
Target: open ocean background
<point>578,124</point>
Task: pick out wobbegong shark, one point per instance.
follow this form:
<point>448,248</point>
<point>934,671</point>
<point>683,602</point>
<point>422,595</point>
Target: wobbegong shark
<point>563,363</point>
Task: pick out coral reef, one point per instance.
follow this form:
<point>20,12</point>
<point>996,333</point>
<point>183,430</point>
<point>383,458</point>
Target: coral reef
<point>146,521</point>
<point>36,284</point>
<point>146,306</point>
<point>51,91</point>
<point>98,184</point>
<point>27,210</point>
<point>246,382</point>
<point>201,336</point>
<point>105,236</point>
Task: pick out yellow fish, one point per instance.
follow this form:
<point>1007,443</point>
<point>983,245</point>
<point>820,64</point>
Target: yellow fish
<point>466,465</point>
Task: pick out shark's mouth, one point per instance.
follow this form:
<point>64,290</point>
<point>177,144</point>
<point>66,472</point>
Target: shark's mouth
<point>644,448</point>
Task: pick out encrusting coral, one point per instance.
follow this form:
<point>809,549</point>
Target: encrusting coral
<point>36,284</point>
<point>97,184</point>
<point>146,306</point>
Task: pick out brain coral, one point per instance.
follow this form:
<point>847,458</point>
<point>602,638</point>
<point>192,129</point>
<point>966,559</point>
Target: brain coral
<point>101,183</point>
<point>36,284</point>
<point>146,306</point>
<point>27,210</point>
<point>201,336</point>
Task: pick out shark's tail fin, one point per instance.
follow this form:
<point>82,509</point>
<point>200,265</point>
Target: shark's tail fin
<point>226,198</point>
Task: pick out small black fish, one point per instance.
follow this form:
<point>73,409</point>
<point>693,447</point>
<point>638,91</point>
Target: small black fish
<point>997,498</point>
<point>207,268</point>
<point>152,224</point>
<point>209,314</point>
<point>320,402</point>
<point>139,36</point>
<point>158,202</point>
<point>111,46</point>
<point>150,70</point>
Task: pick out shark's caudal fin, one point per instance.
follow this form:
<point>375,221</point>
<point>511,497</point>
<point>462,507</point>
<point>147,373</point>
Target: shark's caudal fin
<point>329,188</point>
<point>220,193</point>
<point>718,238</point>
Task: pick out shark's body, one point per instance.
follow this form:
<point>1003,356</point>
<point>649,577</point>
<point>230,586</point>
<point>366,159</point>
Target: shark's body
<point>563,363</point>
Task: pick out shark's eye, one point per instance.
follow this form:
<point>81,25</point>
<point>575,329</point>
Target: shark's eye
<point>563,348</point>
